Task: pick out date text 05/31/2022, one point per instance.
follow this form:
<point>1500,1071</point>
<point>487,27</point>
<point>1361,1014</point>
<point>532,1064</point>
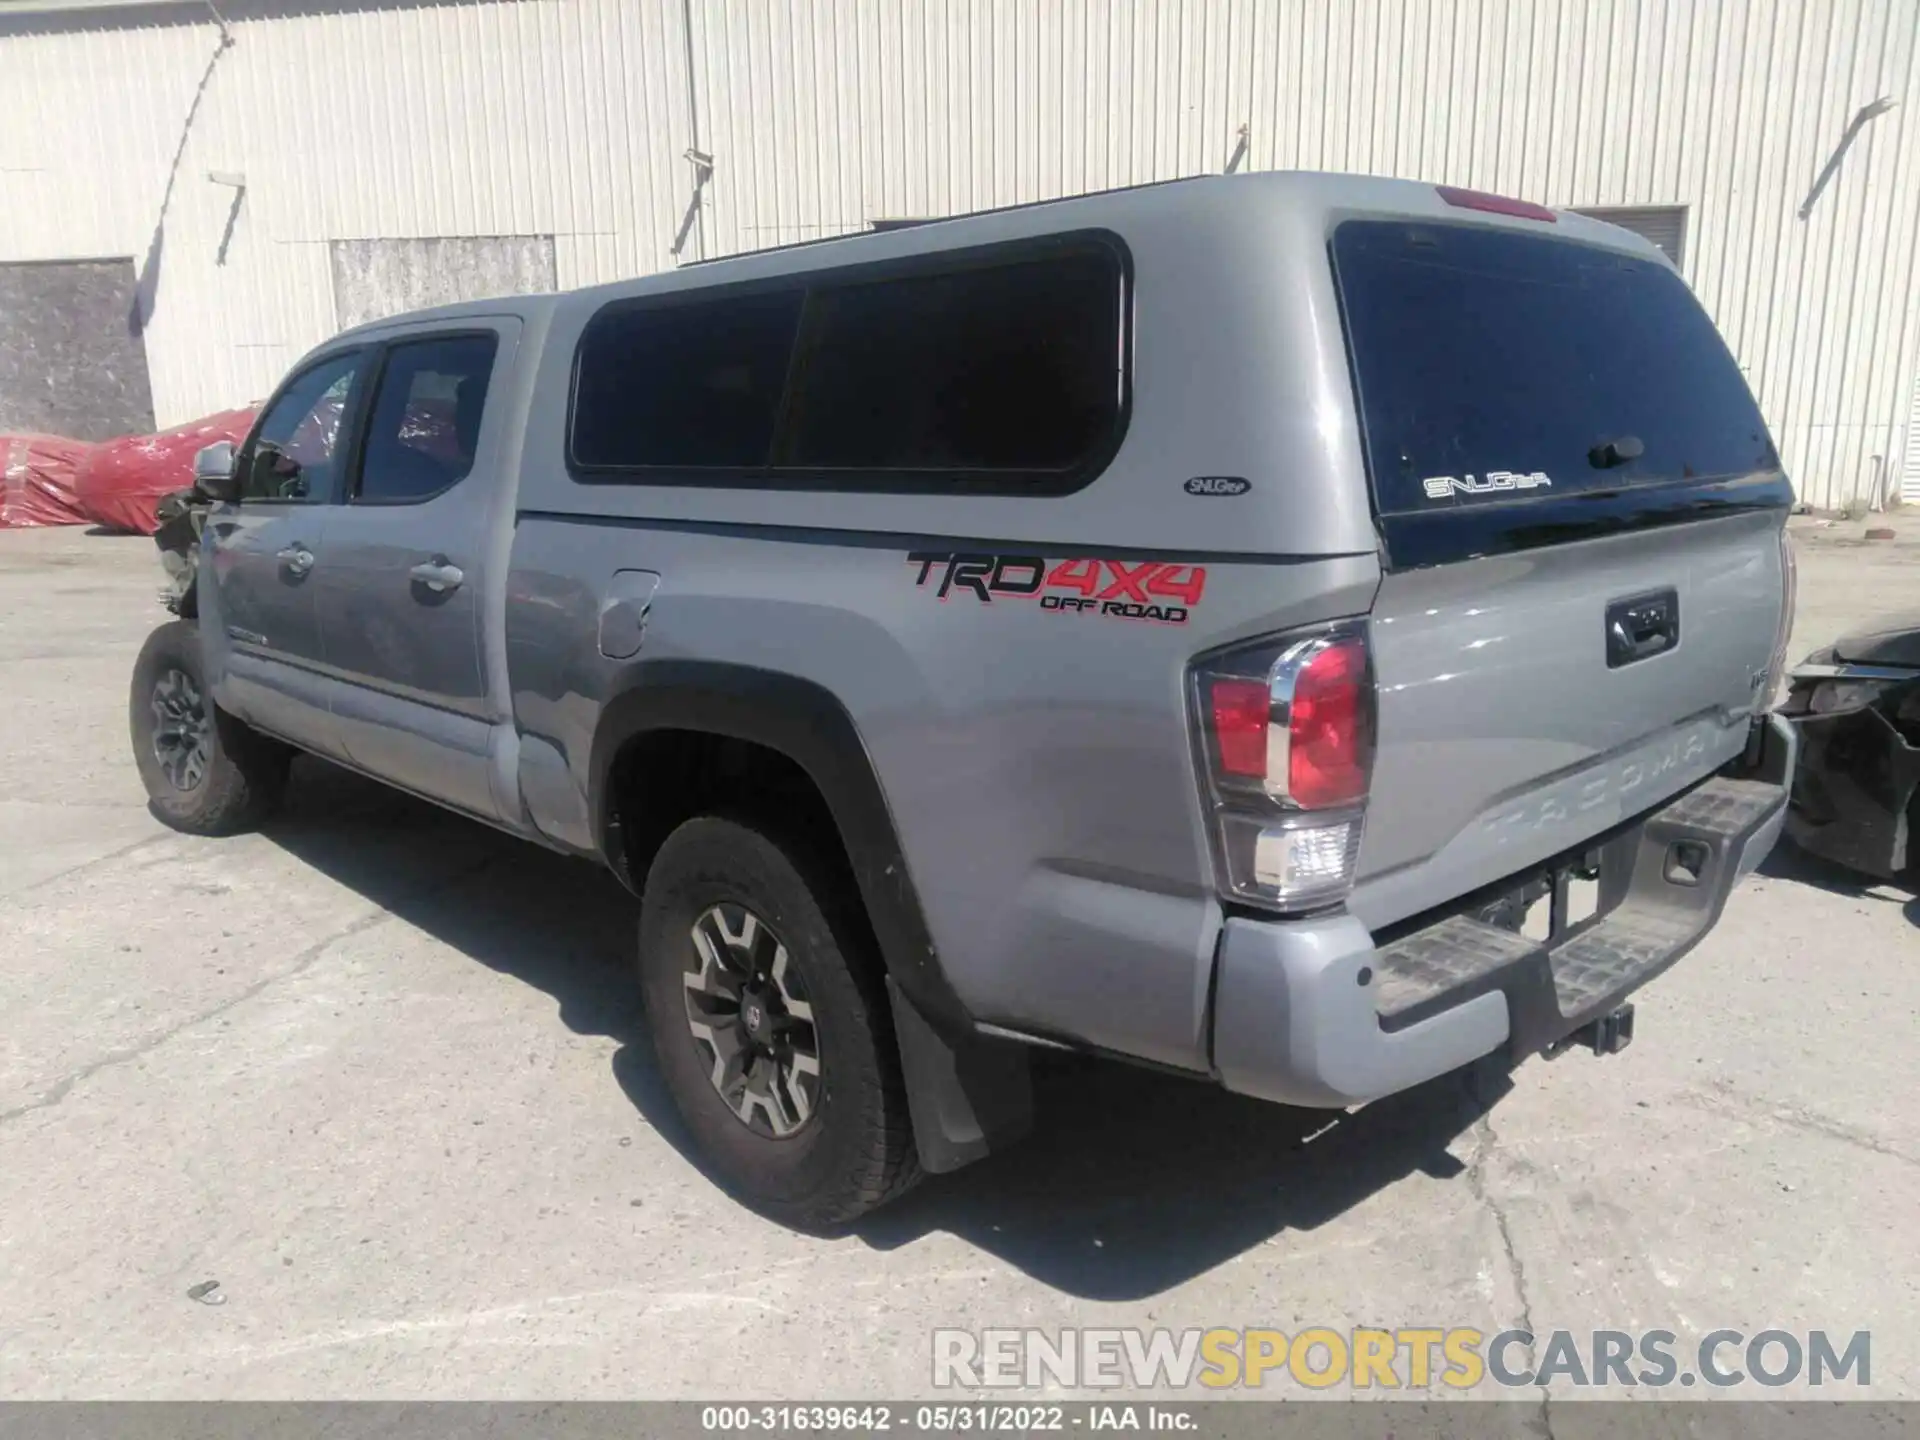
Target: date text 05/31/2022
<point>1152,590</point>
<point>944,1419</point>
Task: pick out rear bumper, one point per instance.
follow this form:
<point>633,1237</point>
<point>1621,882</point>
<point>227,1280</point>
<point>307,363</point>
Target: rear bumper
<point>1316,1013</point>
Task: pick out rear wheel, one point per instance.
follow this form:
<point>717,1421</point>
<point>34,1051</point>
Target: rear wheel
<point>770,1027</point>
<point>206,773</point>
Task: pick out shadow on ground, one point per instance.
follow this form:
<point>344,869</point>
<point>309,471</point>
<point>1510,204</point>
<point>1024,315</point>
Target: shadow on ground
<point>1788,861</point>
<point>1134,1181</point>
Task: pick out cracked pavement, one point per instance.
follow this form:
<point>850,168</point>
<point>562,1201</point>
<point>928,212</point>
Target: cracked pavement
<point>376,1071</point>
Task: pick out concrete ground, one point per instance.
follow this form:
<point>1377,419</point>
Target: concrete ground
<point>377,1071</point>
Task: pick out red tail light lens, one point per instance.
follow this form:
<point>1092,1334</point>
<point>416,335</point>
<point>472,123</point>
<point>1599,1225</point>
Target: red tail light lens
<point>1240,715</point>
<point>1495,204</point>
<point>1285,729</point>
<point>1330,728</point>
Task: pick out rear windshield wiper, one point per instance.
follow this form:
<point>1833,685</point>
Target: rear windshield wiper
<point>1618,451</point>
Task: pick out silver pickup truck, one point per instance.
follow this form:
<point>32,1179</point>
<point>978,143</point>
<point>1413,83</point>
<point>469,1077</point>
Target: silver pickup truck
<point>1302,632</point>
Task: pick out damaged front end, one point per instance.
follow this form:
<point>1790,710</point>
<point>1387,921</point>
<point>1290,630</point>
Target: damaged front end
<point>1856,706</point>
<point>182,516</point>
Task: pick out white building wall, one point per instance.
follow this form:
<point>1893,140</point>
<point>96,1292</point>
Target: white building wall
<point>563,119</point>
<point>570,118</point>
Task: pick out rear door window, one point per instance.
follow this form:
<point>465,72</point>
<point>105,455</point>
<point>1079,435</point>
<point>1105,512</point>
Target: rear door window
<point>425,426</point>
<point>1496,366</point>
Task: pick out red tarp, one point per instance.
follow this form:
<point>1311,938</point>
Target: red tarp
<point>429,426</point>
<point>122,480</point>
<point>117,483</point>
<point>37,474</point>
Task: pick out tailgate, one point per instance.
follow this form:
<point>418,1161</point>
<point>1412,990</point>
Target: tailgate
<point>1582,514</point>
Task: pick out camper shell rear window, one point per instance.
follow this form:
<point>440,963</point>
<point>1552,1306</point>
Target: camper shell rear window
<point>1498,367</point>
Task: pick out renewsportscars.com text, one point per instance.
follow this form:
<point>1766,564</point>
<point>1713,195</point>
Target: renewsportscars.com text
<point>1413,1358</point>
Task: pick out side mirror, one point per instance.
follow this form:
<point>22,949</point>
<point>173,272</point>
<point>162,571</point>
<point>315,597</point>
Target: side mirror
<point>213,472</point>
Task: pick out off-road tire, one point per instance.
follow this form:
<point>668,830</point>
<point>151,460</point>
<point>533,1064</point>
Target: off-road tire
<point>855,1151</point>
<point>242,774</point>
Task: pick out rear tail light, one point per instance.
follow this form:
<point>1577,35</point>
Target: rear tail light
<point>1330,728</point>
<point>1286,730</point>
<point>1495,204</point>
<point>1240,719</point>
<point>1789,602</point>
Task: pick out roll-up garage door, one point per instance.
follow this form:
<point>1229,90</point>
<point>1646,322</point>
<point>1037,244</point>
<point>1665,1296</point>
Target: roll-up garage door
<point>72,361</point>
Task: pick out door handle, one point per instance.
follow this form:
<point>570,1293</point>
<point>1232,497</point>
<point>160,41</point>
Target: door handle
<point>438,575</point>
<point>297,558</point>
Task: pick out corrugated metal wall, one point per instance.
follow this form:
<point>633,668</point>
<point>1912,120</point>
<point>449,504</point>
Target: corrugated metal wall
<point>362,122</point>
<point>571,118</point>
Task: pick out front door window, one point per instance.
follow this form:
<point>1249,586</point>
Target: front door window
<point>294,452</point>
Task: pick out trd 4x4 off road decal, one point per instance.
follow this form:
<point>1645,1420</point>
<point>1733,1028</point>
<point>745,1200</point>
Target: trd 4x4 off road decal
<point>1121,589</point>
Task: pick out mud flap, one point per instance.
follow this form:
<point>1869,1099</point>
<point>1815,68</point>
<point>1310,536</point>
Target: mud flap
<point>967,1099</point>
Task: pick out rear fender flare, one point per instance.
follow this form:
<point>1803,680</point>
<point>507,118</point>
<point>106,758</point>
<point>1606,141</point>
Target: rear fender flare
<point>807,723</point>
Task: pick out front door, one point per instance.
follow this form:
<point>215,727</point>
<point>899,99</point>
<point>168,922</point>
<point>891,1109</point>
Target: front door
<point>401,595</point>
<point>258,621</point>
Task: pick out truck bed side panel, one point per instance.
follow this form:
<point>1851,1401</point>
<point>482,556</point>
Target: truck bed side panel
<point>1036,762</point>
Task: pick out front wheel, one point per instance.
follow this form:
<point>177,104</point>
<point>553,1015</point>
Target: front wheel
<point>206,773</point>
<point>770,1025</point>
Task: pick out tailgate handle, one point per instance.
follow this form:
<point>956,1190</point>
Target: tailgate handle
<point>1642,626</point>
